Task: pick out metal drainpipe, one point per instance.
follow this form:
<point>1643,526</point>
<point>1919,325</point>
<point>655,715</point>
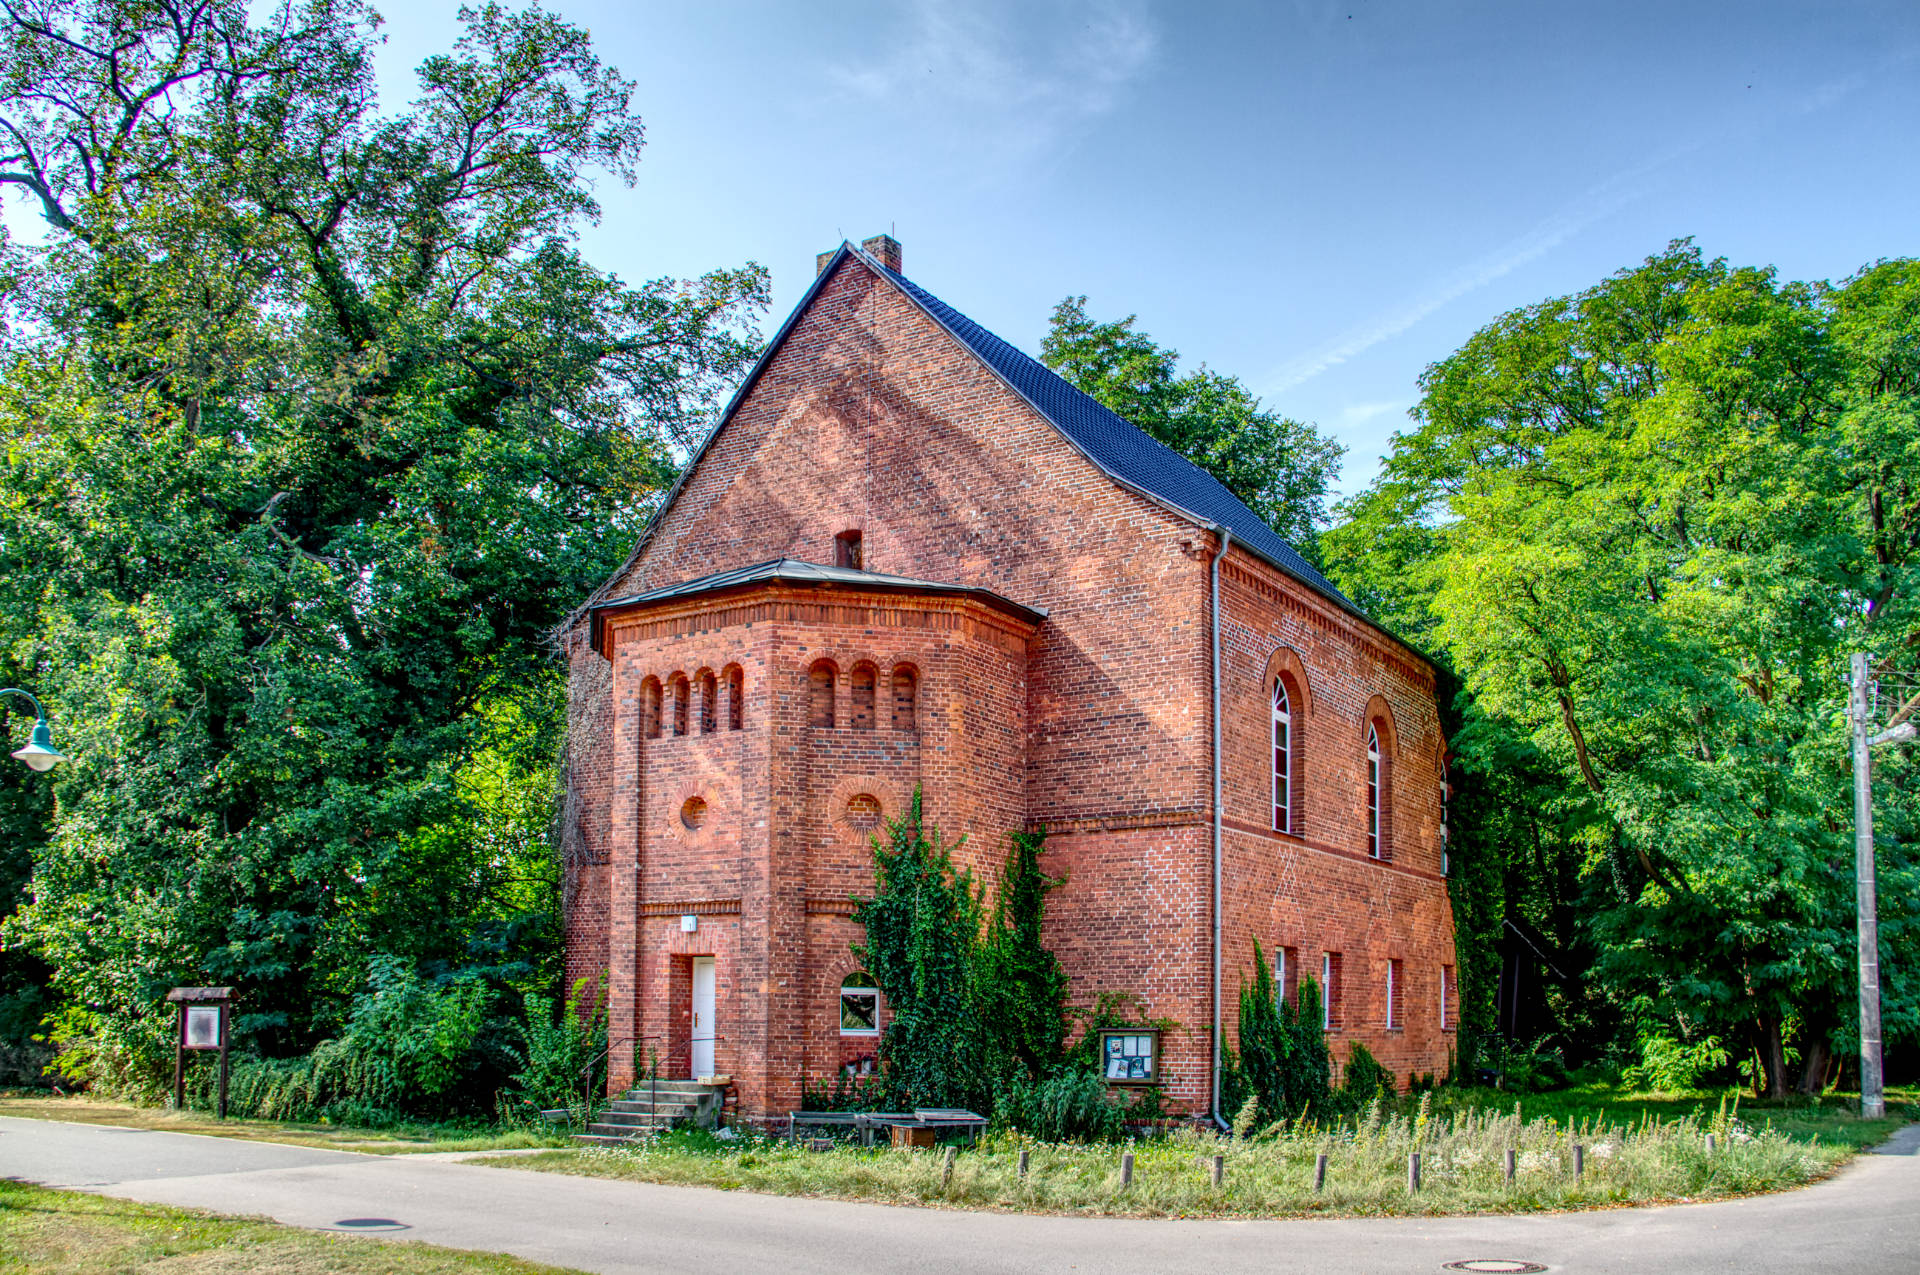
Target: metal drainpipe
<point>1226,539</point>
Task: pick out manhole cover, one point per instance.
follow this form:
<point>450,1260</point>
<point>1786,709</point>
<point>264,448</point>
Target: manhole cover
<point>371,1224</point>
<point>1503,1265</point>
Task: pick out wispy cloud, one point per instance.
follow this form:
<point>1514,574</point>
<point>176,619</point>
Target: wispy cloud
<point>1360,413</point>
<point>1592,205</point>
<point>1025,74</point>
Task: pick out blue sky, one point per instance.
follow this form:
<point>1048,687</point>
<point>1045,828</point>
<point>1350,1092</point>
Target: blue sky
<point>1321,198</point>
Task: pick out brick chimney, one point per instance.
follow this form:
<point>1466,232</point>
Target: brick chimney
<point>885,249</point>
<point>882,248</point>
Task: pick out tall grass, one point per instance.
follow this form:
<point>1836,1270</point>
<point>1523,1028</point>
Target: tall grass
<point>1270,1174</point>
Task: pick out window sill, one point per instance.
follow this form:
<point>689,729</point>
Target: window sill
<point>872,1035</point>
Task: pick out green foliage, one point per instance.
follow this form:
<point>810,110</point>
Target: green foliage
<point>1021,990</point>
<point>1282,1061</point>
<point>1280,468</point>
<point>566,1055</point>
<point>922,938</point>
<point>1647,524</point>
<point>1071,1105</point>
<point>1363,1080</point>
<point>1673,1066</point>
<point>842,1092</point>
<point>313,423</point>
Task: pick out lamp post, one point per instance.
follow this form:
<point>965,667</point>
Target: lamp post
<point>40,754</point>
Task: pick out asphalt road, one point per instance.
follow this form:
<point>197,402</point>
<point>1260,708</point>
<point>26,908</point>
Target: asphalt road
<point>1867,1218</point>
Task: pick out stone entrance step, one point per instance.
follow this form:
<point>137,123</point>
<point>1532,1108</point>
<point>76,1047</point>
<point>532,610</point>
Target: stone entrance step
<point>647,1109</point>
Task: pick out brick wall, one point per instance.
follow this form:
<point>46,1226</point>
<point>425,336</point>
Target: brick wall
<point>871,418</point>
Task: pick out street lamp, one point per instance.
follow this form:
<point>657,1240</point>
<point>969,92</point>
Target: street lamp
<point>40,754</point>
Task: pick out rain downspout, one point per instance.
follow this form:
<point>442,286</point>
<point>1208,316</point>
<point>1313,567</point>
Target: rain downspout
<point>1226,539</point>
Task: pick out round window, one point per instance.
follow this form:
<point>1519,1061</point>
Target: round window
<point>863,812</point>
<point>693,813</point>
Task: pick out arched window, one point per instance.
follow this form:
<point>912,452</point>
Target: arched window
<point>650,708</point>
<point>1282,758</point>
<point>859,1005</point>
<point>906,685</point>
<point>677,691</point>
<point>862,687</point>
<point>736,690</point>
<point>1376,843</point>
<point>820,694</point>
<point>709,707</point>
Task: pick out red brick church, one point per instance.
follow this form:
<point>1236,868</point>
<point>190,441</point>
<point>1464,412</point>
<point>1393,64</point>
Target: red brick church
<point>911,555</point>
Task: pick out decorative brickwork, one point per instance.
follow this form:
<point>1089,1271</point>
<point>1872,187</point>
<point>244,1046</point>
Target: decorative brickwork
<point>795,714</point>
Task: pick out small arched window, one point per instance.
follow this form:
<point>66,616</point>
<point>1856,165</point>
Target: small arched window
<point>650,708</point>
<point>859,1005</point>
<point>677,691</point>
<point>906,687</point>
<point>820,694</point>
<point>736,690</point>
<point>709,705</point>
<point>1376,843</point>
<point>1282,758</point>
<point>863,679</point>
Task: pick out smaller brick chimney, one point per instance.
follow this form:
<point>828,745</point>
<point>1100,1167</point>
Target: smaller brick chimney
<point>883,248</point>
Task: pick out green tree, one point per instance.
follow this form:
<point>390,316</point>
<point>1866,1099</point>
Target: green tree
<point>922,948</point>
<point>1281,468</point>
<point>314,421</point>
<point>1021,989</point>
<point>1648,523</point>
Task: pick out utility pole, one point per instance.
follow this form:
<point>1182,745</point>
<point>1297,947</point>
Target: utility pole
<point>1873,1102</point>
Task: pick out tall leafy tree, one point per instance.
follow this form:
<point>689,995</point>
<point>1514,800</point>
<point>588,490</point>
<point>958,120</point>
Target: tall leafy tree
<point>1647,523</point>
<point>1280,467</point>
<point>314,420</point>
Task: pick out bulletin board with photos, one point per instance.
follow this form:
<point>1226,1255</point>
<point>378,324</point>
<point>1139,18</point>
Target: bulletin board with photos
<point>1130,1056</point>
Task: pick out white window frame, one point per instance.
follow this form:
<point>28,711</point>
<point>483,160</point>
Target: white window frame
<point>1445,971</point>
<point>1393,968</point>
<point>1326,991</point>
<point>1282,741</point>
<point>872,997</point>
<point>1373,791</point>
<point>1279,977</point>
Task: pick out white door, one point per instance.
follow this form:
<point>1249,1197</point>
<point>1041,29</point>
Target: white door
<point>702,1016</point>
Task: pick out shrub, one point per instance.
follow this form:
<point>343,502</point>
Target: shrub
<point>1669,1065</point>
<point>1282,1059</point>
<point>565,1057</point>
<point>1071,1105</point>
<point>1363,1079</point>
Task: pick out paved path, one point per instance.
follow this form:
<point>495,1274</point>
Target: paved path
<point>1866,1219</point>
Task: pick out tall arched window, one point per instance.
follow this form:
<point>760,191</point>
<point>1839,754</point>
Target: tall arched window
<point>820,694</point>
<point>906,687</point>
<point>736,689</point>
<point>1374,840</point>
<point>650,708</point>
<point>677,691</point>
<point>1282,758</point>
<point>864,676</point>
<point>709,705</point>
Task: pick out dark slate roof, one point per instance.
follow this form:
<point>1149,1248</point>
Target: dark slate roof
<point>810,575</point>
<point>1122,449</point>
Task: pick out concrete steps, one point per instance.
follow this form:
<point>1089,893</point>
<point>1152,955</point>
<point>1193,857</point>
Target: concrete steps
<point>649,1108</point>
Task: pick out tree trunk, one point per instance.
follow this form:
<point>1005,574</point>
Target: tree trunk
<point>1813,1068</point>
<point>1772,1054</point>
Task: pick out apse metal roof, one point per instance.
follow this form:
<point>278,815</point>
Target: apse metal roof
<point>810,575</point>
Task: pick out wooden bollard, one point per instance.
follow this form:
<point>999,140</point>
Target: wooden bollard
<point>1126,1170</point>
<point>946,1169</point>
<point>1413,1172</point>
<point>1319,1173</point>
<point>1710,1144</point>
<point>1023,1164</point>
<point>1579,1162</point>
<point>1510,1165</point>
<point>1219,1170</point>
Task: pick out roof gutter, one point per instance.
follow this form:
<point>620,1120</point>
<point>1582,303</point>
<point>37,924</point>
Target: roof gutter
<point>1225,535</point>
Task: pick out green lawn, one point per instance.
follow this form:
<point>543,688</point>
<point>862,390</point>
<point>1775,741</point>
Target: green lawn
<point>1638,1149</point>
<point>38,1104</point>
<point>66,1233</point>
